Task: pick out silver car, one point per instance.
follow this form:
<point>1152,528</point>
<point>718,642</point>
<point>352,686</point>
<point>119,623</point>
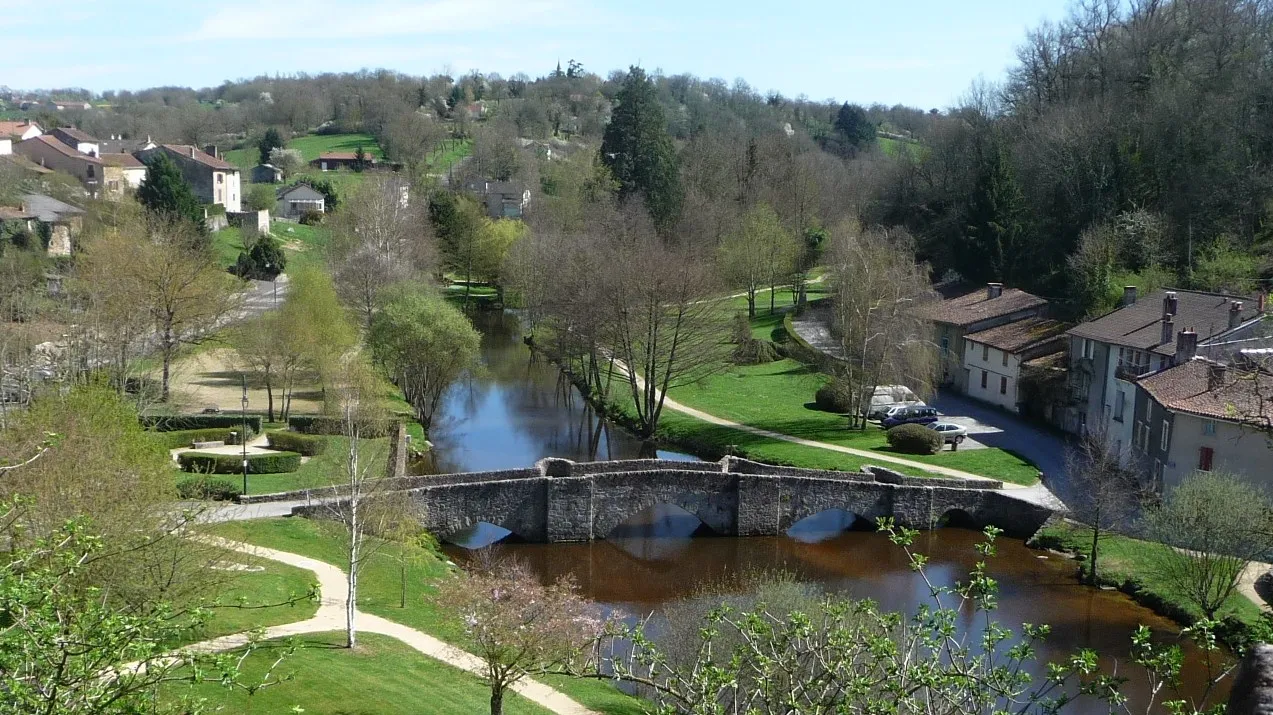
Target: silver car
<point>951,433</point>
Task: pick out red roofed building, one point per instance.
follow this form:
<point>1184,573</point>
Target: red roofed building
<point>53,154</point>
<point>20,130</point>
<point>333,160</point>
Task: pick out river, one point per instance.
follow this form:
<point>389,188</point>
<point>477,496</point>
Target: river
<point>517,410</point>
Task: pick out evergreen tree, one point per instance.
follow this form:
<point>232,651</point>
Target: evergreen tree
<point>360,159</point>
<point>165,192</point>
<point>638,150</point>
<point>994,243</point>
<point>853,131</point>
<point>263,263</point>
<point>269,142</point>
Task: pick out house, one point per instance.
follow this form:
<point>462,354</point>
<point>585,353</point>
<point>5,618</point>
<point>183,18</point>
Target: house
<point>995,357</point>
<point>214,180</point>
<point>123,172</point>
<point>267,174</point>
<point>1204,415</point>
<point>974,312</point>
<point>54,221</point>
<point>333,160</point>
<point>53,154</point>
<point>503,199</point>
<point>78,140</point>
<point>20,130</point>
<point>297,200</point>
<point>1109,353</point>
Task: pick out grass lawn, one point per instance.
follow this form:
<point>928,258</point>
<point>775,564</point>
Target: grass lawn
<point>226,244</point>
<point>452,150</point>
<point>1129,564</point>
<point>310,146</point>
<point>249,600</point>
<point>896,147</point>
<point>380,590</point>
<point>380,676</point>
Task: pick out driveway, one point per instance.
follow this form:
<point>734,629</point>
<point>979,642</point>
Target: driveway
<point>996,428</point>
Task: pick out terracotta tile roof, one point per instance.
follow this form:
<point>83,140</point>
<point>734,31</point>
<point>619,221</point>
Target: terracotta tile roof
<point>192,153</point>
<point>1186,388</point>
<point>14,129</point>
<point>127,161</point>
<point>1020,335</point>
<point>63,149</point>
<point>975,306</point>
<point>1140,325</point>
<point>345,156</point>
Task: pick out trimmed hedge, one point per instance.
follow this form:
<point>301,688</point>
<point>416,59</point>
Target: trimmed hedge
<point>212,489</point>
<point>335,426</point>
<point>835,397</point>
<point>915,439</point>
<point>174,423</point>
<point>261,463</point>
<point>305,444</point>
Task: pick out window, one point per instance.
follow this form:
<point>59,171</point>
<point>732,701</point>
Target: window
<point>1003,385</point>
<point>220,178</point>
<point>945,345</point>
<point>1005,358</point>
<point>1209,427</point>
<point>89,171</point>
<point>985,352</point>
<point>984,376</point>
<point>1120,405</point>
<point>1166,436</point>
<point>1089,349</point>
<point>1206,456</point>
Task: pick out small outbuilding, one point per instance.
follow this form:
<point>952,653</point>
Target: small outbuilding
<point>267,174</point>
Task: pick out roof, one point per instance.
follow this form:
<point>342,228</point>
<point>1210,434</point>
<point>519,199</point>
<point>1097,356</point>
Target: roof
<point>974,307</point>
<point>127,161</point>
<point>345,156</point>
<point>508,188</point>
<point>12,128</point>
<point>1184,388</point>
<point>1019,335</point>
<point>25,164</point>
<point>1139,325</point>
<point>304,191</point>
<point>76,134</point>
<point>194,153</point>
<point>49,209</point>
<point>61,148</point>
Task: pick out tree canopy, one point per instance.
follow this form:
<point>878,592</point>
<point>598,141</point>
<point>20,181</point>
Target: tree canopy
<point>638,151</point>
<point>165,192</point>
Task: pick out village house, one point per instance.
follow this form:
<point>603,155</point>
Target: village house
<point>1109,353</point>
<point>78,140</point>
<point>20,130</point>
<point>296,201</point>
<point>213,180</point>
<point>53,154</point>
<point>122,172</point>
<point>46,218</point>
<point>333,160</point>
<point>956,317</point>
<point>995,357</point>
<point>502,199</point>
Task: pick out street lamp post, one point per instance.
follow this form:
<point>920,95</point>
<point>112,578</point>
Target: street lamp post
<point>243,436</point>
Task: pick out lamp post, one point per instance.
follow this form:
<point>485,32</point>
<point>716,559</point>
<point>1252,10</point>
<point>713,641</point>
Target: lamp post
<point>243,436</point>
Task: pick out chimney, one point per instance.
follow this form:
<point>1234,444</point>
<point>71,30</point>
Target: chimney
<point>1169,303</point>
<point>192,150</point>
<point>211,150</point>
<point>1186,346</point>
<point>1215,375</point>
<point>1168,330</point>
<point>993,290</point>
<point>1235,314</point>
<point>1129,295</point>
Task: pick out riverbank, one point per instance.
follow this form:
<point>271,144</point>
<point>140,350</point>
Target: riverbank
<point>1128,565</point>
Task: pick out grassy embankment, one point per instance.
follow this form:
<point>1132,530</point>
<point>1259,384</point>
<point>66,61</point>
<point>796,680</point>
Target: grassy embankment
<point>380,592</point>
<point>778,397</point>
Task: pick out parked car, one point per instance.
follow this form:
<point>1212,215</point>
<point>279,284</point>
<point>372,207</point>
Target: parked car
<point>894,410</point>
<point>886,397</point>
<point>950,432</point>
<point>911,416</point>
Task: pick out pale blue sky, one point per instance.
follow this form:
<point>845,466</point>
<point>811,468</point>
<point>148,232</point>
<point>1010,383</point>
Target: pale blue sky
<point>919,52</point>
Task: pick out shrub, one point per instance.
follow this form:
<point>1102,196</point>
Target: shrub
<point>312,217</point>
<point>323,424</point>
<point>172,423</point>
<point>204,488</point>
<point>304,444</point>
<point>261,463</point>
<point>834,396</point>
<point>914,439</point>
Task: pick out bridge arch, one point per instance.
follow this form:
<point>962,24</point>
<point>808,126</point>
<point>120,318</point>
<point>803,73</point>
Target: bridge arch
<point>714,505</point>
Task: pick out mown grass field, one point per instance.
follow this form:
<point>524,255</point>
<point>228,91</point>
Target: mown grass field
<point>248,600</point>
<point>380,592</point>
<point>310,146</point>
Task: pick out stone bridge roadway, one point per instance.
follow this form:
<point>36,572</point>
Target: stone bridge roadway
<point>560,500</point>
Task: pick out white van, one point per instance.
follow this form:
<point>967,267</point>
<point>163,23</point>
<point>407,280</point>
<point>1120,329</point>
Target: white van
<point>888,396</point>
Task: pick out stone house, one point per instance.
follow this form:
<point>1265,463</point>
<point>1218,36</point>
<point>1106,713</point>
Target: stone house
<point>297,200</point>
<point>954,318</point>
<point>123,172</point>
<point>46,217</point>
<point>502,199</point>
<point>20,130</point>
<point>995,357</point>
<point>214,180</point>
<point>78,140</point>
<point>266,174</point>
<point>53,154</point>
<point>1108,354</point>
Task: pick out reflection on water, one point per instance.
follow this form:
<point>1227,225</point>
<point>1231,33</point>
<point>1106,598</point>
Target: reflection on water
<point>518,411</point>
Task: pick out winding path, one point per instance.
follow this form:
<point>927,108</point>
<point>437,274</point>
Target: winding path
<point>331,617</point>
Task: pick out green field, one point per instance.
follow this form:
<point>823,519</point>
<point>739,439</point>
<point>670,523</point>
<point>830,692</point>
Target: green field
<point>451,151</point>
<point>380,593</point>
<point>303,243</point>
<point>896,147</point>
<point>310,146</point>
<point>382,675</point>
<point>254,599</point>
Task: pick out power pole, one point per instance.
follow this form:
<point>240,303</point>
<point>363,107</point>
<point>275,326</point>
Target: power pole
<point>243,436</point>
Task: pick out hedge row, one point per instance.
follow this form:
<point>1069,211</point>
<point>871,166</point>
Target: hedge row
<point>204,488</point>
<point>325,425</point>
<point>174,423</point>
<point>261,463</point>
<point>915,439</point>
<point>306,444</point>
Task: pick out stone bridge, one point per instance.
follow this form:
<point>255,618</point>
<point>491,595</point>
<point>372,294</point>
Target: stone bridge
<point>560,500</point>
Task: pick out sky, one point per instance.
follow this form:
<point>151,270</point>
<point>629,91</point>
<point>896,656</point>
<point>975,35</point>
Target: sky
<point>923,53</point>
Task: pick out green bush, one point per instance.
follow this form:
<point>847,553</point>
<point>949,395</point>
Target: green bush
<point>835,397</point>
<point>173,423</point>
<point>204,488</point>
<point>323,424</point>
<point>305,444</point>
<point>914,439</point>
<point>261,463</point>
<point>313,217</point>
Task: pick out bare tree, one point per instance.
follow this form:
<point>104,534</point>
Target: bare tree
<point>1105,495</point>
